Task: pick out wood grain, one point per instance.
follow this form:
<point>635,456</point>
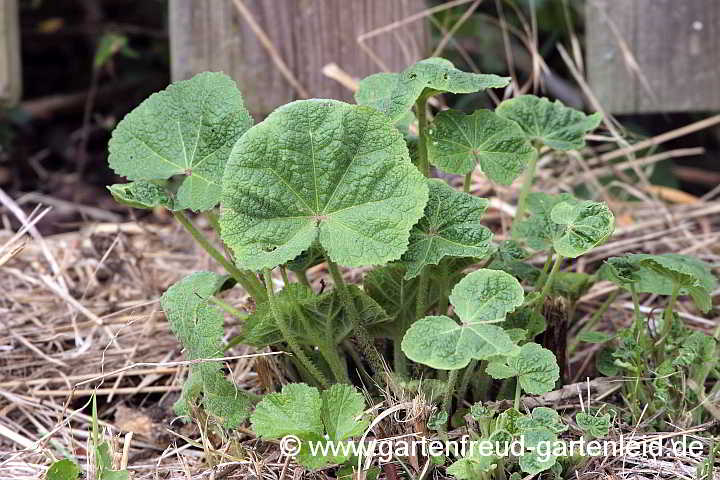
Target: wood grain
<point>10,71</point>
<point>676,45</point>
<point>308,34</point>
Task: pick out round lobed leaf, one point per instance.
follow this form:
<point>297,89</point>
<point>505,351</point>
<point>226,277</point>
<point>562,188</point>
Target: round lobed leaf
<point>499,146</point>
<point>325,170</point>
<point>450,228</point>
<point>535,367</point>
<point>486,296</point>
<point>186,130</point>
<point>552,123</point>
<point>586,224</point>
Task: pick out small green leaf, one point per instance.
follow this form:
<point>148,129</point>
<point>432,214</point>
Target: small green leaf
<point>595,426</point>
<point>199,327</point>
<point>698,348</point>
<point>620,271</point>
<point>542,418</point>
<point>586,225</point>
<point>481,298</point>
<point>64,469</point>
<point>539,456</point>
<point>527,319</point>
<point>438,420</point>
<point>450,227</point>
<point>553,124</point>
<point>478,411</point>
<point>320,170</point>
<point>395,94</point>
<point>594,337</point>
<point>571,285</point>
<point>459,142</point>
<point>142,194</point>
<point>535,367</point>
<point>539,230</point>
<point>333,415</point>
<point>605,363</point>
<point>473,467</point>
<point>509,258</point>
<point>187,130</point>
<point>692,275</point>
<point>109,44</point>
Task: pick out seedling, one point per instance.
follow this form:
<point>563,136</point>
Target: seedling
<point>322,181</point>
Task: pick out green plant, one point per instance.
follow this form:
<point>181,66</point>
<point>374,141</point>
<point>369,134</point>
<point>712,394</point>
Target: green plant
<point>322,181</point>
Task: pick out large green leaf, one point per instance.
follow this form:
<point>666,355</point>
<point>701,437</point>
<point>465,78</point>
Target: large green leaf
<point>450,228</point>
<point>553,124</point>
<point>458,142</point>
<point>585,225</point>
<point>333,415</point>
<point>199,327</point>
<point>312,319</point>
<point>395,94</point>
<point>325,170</point>
<point>535,367</point>
<point>187,130</point>
<point>480,299</point>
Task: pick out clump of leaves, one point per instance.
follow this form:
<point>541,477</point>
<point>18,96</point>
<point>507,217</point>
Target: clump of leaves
<point>326,182</point>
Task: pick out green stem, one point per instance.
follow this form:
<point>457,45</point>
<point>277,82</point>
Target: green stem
<point>638,323</point>
<point>422,294</point>
<point>247,279</point>
<point>400,364</point>
<point>445,287</point>
<point>302,277</point>
<point>283,272</point>
<point>336,363</point>
<point>363,337</point>
<point>213,220</point>
<point>421,113</point>
<point>287,335</point>
<point>526,186</point>
<point>518,392</point>
<point>543,275</point>
<point>668,315</point>
<point>468,182</point>
<point>229,308</point>
<point>452,380</point>
<point>465,381</point>
<point>551,277</point>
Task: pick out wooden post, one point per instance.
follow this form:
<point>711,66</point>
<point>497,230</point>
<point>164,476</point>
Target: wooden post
<point>676,44</point>
<point>306,34</point>
<point>10,72</point>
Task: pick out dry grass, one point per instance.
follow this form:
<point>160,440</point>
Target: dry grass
<point>80,314</point>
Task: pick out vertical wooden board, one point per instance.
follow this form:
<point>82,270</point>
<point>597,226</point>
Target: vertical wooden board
<point>676,45</point>
<point>308,34</point>
<point>10,69</point>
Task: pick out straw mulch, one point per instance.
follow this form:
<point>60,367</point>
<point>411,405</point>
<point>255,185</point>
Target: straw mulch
<point>80,313</point>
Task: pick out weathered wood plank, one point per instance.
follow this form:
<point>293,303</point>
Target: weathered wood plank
<point>677,48</point>
<point>308,34</point>
<point>10,71</point>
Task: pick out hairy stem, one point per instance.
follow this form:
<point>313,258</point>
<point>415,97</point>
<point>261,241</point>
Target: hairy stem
<point>400,364</point>
<point>336,363</point>
<point>422,294</point>
<point>287,335</point>
<point>638,322</point>
<point>247,279</point>
<point>444,302</point>
<point>229,308</point>
<point>526,186</point>
<point>283,272</point>
<point>421,113</point>
<point>668,315</point>
<point>518,392</point>
<point>468,182</point>
<point>549,282</point>
<point>452,380</point>
<point>363,337</point>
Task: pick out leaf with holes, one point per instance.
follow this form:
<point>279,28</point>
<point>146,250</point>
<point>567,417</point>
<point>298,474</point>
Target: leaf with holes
<point>459,142</point>
<point>142,194</point>
<point>199,327</point>
<point>185,131</point>
<point>480,299</point>
<point>450,228</point>
<point>394,94</point>
<point>333,415</point>
<point>320,170</point>
<point>535,367</point>
<point>551,123</point>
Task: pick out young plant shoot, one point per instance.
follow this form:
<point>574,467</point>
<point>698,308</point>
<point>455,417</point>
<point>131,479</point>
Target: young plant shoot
<point>320,186</point>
